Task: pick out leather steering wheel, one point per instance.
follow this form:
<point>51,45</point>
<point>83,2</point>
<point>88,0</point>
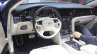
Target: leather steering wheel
<point>47,27</point>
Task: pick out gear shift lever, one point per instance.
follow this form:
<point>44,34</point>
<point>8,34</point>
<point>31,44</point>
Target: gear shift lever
<point>73,39</point>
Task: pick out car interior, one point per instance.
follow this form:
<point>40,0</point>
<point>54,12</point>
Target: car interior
<point>46,27</point>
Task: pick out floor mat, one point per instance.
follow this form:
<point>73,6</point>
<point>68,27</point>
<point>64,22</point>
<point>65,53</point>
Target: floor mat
<point>30,44</point>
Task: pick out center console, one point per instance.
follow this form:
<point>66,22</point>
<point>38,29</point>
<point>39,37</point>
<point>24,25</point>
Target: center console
<point>66,25</point>
<point>69,27</point>
<point>75,44</point>
<point>66,33</point>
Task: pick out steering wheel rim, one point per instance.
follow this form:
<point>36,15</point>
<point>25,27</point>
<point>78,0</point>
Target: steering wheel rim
<point>46,21</point>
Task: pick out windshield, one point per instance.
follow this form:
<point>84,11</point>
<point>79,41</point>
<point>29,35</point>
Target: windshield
<point>72,1</point>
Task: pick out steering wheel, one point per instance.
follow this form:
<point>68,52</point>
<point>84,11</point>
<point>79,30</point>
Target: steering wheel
<point>47,27</point>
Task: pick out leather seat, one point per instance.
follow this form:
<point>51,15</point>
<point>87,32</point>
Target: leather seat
<point>53,49</point>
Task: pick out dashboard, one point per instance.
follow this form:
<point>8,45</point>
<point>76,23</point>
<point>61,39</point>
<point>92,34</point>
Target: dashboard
<point>23,15</point>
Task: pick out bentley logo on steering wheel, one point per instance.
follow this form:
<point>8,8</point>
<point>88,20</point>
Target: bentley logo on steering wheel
<point>49,23</point>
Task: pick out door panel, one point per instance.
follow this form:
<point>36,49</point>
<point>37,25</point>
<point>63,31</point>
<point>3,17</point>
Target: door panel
<point>2,38</point>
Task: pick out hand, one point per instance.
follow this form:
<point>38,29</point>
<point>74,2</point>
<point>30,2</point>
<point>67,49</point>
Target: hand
<point>76,34</point>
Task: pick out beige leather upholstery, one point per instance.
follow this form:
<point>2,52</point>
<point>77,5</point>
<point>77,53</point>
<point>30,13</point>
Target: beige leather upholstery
<point>2,38</point>
<point>53,49</point>
<point>81,20</point>
<point>90,49</point>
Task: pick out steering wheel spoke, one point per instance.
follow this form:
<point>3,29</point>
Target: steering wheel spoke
<point>39,29</point>
<point>57,23</point>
